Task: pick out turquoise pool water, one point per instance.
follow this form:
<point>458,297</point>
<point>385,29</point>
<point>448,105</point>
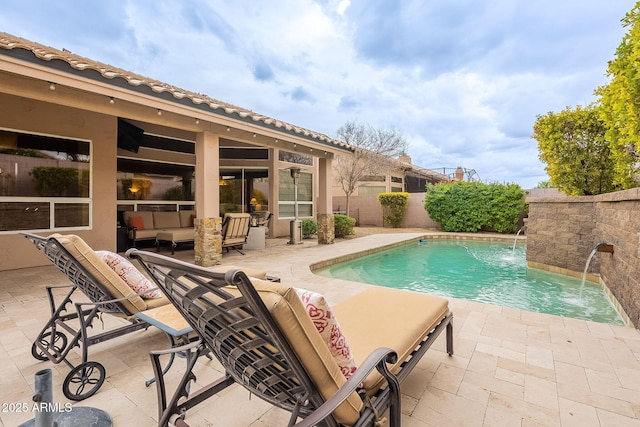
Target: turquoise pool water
<point>487,272</point>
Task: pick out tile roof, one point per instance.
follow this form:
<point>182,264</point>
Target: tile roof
<point>109,73</point>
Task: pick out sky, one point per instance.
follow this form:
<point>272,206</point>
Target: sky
<point>462,80</point>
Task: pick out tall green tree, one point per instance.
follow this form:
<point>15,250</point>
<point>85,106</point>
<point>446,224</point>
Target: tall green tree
<point>620,101</point>
<point>573,146</point>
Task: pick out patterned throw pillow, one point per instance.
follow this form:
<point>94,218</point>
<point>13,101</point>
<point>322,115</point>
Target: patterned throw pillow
<point>129,274</point>
<point>329,329</point>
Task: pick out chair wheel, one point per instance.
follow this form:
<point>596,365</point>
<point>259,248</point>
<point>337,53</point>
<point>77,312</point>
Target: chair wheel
<point>55,345</point>
<point>83,381</point>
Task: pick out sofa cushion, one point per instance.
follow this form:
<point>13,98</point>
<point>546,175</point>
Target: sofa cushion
<point>130,275</point>
<point>186,218</point>
<point>166,220</point>
<point>408,319</point>
<point>329,329</point>
<point>110,281</point>
<point>176,235</point>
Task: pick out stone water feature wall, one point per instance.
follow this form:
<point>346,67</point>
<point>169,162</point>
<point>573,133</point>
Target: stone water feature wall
<point>562,232</point>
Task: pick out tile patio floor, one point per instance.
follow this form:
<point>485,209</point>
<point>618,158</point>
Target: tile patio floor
<point>510,367</point>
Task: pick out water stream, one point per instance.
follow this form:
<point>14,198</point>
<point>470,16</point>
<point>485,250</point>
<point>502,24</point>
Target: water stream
<point>586,266</point>
<point>516,239</point>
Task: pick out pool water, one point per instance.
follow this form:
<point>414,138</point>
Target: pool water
<point>487,272</point>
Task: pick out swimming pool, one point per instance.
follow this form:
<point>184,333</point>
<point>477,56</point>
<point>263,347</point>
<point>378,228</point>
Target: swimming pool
<point>488,272</point>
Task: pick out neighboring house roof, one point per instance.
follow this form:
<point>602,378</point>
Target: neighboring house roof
<point>410,168</point>
<point>88,68</point>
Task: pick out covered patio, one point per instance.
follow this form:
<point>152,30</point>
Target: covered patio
<point>510,367</point>
<point>135,143</point>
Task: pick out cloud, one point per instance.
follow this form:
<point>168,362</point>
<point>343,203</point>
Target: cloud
<point>462,79</point>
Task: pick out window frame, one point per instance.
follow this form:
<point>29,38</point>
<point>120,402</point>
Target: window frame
<point>53,202</point>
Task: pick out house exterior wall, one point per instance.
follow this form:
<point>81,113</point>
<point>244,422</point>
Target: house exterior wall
<point>563,231</point>
<point>32,116</point>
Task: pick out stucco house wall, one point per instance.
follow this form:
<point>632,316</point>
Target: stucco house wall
<point>28,115</point>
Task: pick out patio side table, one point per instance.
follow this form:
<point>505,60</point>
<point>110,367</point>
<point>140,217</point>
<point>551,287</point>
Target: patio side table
<point>170,321</point>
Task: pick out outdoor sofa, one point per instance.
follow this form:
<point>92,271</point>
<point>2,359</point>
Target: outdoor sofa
<point>161,226</point>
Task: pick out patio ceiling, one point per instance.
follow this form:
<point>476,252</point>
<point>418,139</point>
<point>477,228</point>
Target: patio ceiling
<point>199,106</point>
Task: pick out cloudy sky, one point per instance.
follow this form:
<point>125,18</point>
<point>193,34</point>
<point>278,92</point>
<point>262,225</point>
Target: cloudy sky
<point>462,79</point>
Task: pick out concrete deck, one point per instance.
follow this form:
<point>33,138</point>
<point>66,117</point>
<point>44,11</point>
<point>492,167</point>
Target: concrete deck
<point>510,367</point>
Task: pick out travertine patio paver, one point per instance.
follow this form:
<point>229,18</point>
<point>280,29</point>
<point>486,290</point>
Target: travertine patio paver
<point>510,367</point>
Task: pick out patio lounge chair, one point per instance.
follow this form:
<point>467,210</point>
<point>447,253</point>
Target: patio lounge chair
<point>235,229</point>
<point>262,334</point>
<point>66,329</point>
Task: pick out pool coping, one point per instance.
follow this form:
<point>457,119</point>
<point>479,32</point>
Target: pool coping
<point>434,235</point>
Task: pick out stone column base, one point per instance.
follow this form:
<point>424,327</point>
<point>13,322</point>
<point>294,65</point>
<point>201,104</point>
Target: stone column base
<point>326,229</point>
<point>208,241</point>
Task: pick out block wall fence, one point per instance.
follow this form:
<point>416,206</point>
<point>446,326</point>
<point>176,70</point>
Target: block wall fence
<point>563,231</point>
<point>367,211</point>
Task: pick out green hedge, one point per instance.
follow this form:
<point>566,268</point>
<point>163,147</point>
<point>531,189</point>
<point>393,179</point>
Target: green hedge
<point>474,206</point>
<point>344,225</point>
<point>309,228</point>
<point>394,205</point>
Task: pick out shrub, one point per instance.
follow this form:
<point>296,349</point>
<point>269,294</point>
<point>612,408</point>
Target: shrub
<point>309,228</point>
<point>344,225</point>
<point>473,206</point>
<point>394,205</point>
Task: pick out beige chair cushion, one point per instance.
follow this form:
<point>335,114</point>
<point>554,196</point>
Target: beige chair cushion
<point>285,306</point>
<point>397,319</point>
<point>186,218</point>
<point>101,271</point>
<point>235,228</point>
<point>166,220</point>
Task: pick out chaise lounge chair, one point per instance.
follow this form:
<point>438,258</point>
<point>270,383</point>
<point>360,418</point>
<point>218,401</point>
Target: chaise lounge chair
<point>263,335</point>
<point>68,328</point>
<point>235,230</point>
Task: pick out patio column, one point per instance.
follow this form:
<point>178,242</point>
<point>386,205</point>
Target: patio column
<point>208,239</point>
<point>326,227</point>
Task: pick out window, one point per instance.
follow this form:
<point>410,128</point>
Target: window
<point>370,189</point>
<point>301,159</point>
<point>44,182</point>
<point>286,190</point>
<point>372,178</point>
<point>239,187</point>
<point>159,177</point>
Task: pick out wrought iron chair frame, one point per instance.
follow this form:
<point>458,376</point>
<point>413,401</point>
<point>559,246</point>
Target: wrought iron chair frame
<point>59,336</point>
<point>241,332</point>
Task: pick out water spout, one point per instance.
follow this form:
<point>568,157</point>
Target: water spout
<point>600,247</point>
<point>516,239</point>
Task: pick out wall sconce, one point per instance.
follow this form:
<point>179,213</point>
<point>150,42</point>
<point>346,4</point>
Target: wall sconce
<point>159,112</point>
<point>111,100</point>
<point>52,86</point>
